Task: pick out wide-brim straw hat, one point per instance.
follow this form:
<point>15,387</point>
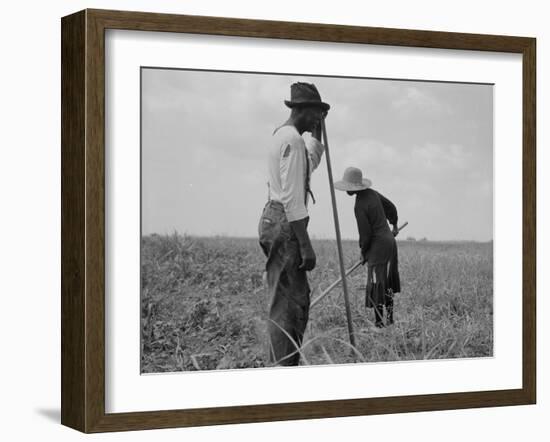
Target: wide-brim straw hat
<point>353,181</point>
<point>305,94</point>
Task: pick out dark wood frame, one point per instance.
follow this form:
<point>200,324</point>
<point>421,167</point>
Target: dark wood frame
<point>83,218</point>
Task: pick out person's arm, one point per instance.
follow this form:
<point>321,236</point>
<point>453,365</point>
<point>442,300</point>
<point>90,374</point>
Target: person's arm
<point>314,145</point>
<point>390,211</point>
<point>307,253</point>
<point>365,231</point>
<point>317,131</point>
<point>315,150</point>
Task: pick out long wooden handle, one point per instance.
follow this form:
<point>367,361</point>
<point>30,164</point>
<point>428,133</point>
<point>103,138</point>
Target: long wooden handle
<point>333,285</point>
<point>402,226</point>
<point>338,237</point>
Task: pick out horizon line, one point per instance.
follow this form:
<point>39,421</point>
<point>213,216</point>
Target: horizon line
<point>313,237</point>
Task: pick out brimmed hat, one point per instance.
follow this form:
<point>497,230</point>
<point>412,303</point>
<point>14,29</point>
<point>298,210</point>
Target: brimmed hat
<point>353,180</point>
<point>305,94</point>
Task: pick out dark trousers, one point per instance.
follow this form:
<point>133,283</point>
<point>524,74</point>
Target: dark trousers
<point>287,286</point>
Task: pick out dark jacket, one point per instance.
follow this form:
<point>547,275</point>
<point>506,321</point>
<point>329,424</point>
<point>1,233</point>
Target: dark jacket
<point>376,240</point>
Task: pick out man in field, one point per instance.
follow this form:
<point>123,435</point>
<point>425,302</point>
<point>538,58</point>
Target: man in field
<point>283,225</point>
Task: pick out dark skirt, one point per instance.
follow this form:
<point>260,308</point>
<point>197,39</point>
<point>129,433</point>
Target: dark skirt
<point>383,281</point>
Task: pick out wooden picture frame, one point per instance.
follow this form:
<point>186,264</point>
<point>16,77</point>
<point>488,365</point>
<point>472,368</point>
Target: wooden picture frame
<point>83,220</point>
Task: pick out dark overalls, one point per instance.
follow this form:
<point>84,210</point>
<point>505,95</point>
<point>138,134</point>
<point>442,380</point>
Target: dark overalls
<point>287,286</point>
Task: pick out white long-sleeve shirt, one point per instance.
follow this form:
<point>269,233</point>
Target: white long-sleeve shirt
<point>287,169</point>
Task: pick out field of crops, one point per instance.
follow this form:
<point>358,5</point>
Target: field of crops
<point>204,306</point>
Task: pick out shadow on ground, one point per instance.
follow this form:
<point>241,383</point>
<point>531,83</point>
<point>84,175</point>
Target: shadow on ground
<point>52,414</point>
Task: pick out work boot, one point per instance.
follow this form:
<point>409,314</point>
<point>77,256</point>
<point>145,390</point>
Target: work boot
<point>389,307</point>
<point>379,316</point>
<point>389,313</point>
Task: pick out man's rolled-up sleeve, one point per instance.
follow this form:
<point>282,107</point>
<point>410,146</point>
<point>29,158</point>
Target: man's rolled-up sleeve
<point>315,151</point>
<point>292,179</point>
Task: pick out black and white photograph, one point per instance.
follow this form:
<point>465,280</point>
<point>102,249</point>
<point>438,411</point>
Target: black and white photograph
<point>260,190</point>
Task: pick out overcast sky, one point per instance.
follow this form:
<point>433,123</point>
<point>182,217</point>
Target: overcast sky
<point>426,146</point>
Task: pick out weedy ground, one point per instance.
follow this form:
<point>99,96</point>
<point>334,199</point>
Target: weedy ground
<point>204,307</point>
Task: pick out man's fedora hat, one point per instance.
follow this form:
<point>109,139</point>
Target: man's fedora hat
<point>305,94</point>
<point>353,180</point>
